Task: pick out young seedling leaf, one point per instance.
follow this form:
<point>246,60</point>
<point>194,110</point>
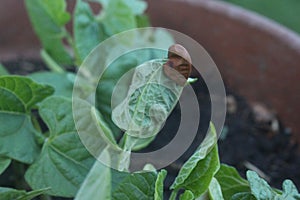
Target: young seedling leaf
<point>289,191</point>
<point>133,186</point>
<point>121,65</point>
<point>48,18</point>
<point>19,94</point>
<point>259,187</point>
<point>197,173</point>
<point>17,137</point>
<point>150,99</point>
<point>4,163</point>
<point>59,81</point>
<point>116,22</point>
<point>187,195</point>
<point>137,6</point>
<point>243,196</point>
<point>88,32</point>
<point>64,161</point>
<point>214,190</point>
<point>9,193</point>
<point>200,177</point>
<point>159,185</point>
<point>110,78</point>
<point>231,182</point>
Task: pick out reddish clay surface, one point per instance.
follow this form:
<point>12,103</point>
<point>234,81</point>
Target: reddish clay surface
<point>257,57</point>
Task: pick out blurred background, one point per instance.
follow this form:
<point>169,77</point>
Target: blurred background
<point>284,12</point>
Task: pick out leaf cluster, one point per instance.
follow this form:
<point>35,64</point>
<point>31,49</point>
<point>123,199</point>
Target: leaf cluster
<point>37,128</point>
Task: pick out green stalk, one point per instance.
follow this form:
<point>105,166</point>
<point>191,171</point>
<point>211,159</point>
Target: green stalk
<point>128,142</point>
<point>173,195</point>
<point>38,132</point>
<point>68,36</point>
<point>3,70</point>
<point>53,66</point>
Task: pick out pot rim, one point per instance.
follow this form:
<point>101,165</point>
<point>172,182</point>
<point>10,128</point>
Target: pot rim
<point>251,19</point>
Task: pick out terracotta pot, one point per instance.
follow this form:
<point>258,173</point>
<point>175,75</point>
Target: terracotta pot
<point>257,57</point>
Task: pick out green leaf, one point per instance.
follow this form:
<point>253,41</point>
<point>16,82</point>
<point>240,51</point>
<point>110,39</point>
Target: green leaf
<point>214,190</point>
<point>142,21</point>
<point>30,195</point>
<point>259,187</point>
<point>88,33</point>
<point>159,185</point>
<point>231,182</point>
<point>105,183</point>
<point>187,195</point>
<point>137,6</point>
<point>97,184</point>
<point>116,22</point>
<point>124,64</point>
<point>133,186</point>
<point>19,94</point>
<point>4,163</point>
<point>149,167</point>
<point>94,132</point>
<point>107,134</point>
<point>200,177</point>
<point>9,193</point>
<point>150,99</point>
<point>61,82</point>
<point>64,161</point>
<point>48,18</point>
<point>108,82</point>
<point>197,173</point>
<point>243,196</point>
<point>17,137</point>
<point>289,190</point>
<point>3,70</point>
<point>262,190</point>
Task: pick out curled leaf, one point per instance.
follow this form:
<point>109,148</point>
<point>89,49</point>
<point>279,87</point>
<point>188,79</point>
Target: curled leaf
<point>149,101</point>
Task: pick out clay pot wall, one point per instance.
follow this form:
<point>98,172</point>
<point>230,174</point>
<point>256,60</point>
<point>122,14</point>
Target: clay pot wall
<point>257,57</point>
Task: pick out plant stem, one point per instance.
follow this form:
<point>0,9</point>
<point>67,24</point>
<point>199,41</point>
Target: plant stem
<point>69,38</point>
<point>38,132</point>
<point>128,144</point>
<point>129,141</point>
<point>51,63</point>
<point>173,195</point>
<point>3,70</point>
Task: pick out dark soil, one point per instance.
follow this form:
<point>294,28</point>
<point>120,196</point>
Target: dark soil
<point>250,141</point>
<point>245,142</point>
